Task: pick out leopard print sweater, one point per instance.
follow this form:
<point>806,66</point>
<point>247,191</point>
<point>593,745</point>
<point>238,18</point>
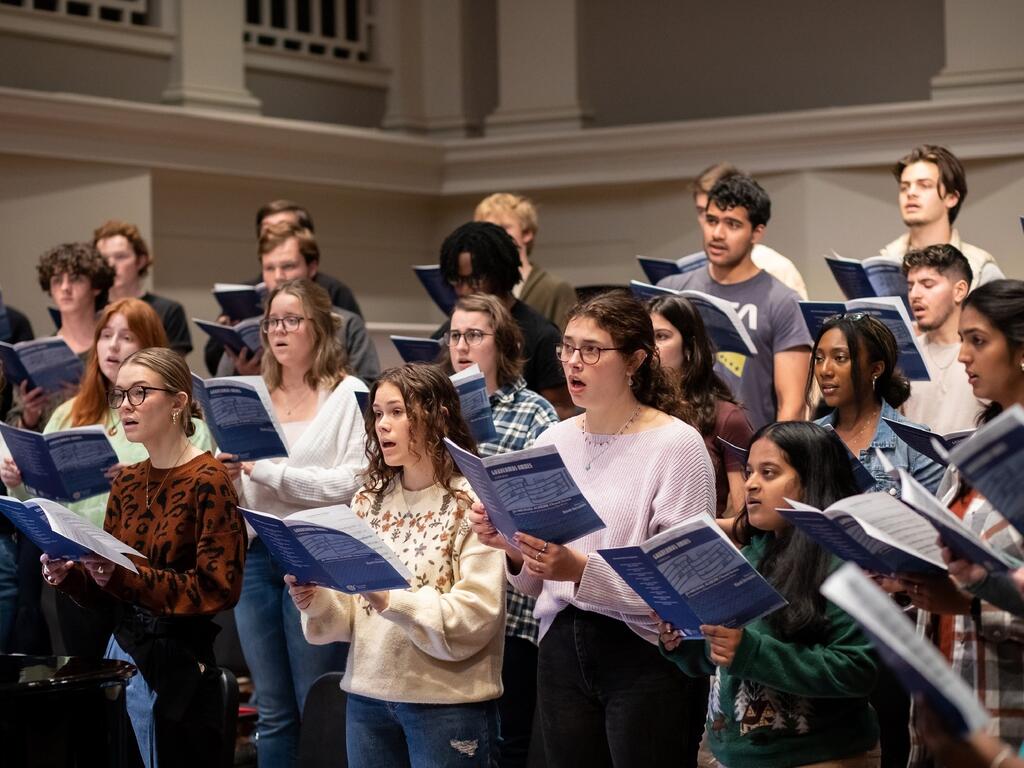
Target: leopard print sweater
<point>192,535</point>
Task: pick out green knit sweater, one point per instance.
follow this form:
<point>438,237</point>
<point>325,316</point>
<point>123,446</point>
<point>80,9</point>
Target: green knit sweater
<point>784,704</point>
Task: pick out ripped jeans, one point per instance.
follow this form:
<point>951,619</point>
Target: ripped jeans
<point>396,735</point>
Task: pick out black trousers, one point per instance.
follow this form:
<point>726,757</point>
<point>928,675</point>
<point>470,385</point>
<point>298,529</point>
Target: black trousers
<point>517,703</point>
<point>608,698</point>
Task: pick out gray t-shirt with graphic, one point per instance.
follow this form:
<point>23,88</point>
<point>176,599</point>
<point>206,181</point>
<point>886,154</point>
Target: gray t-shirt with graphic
<point>770,313</point>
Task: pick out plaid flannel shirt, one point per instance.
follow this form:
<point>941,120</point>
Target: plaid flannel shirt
<point>520,415</point>
<point>988,653</point>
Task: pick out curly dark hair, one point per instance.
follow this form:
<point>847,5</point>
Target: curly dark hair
<point>492,252</point>
<point>77,259</point>
<point>434,413</point>
<point>622,315</point>
<point>739,191</point>
<point>700,386</point>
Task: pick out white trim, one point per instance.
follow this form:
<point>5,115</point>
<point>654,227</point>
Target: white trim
<point>86,128</point>
<point>799,140</point>
<point>92,129</point>
<point>151,41</point>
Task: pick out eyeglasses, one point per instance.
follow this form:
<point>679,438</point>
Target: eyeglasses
<point>290,323</point>
<point>136,395</point>
<point>589,353</point>
<point>473,282</point>
<point>853,317</point>
<point>472,337</point>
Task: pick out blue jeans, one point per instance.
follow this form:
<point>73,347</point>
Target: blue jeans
<point>8,587</point>
<point>389,734</point>
<point>282,664</point>
<point>139,700</point>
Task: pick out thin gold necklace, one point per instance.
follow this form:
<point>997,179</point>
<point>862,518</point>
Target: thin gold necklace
<point>606,445</point>
<point>170,470</point>
<point>288,409</point>
<point>863,426</point>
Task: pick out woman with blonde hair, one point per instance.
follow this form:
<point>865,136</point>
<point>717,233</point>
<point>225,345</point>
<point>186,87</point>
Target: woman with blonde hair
<point>122,328</point>
<point>304,368</point>
<point>178,509</point>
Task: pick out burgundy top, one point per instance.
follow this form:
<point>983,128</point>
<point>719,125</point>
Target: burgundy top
<point>732,424</point>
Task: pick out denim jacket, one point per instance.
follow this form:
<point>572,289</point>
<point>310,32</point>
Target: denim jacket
<point>924,470</point>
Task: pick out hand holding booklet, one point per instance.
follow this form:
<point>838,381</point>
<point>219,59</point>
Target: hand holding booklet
<point>528,491</point>
<point>993,462</point>
<point>918,665</point>
<point>63,535</point>
<point>243,335</point>
<point>48,363</point>
<point>241,417</point>
<point>331,547</point>
<point>962,541</point>
<point>66,466</point>
<point>874,530</point>
<point>476,405</point>
<point>691,574</point>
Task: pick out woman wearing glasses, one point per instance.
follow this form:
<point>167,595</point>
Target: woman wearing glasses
<point>178,509</point>
<point>854,364</point>
<point>483,332</point>
<point>304,368</point>
<point>122,328</point>
<point>605,694</point>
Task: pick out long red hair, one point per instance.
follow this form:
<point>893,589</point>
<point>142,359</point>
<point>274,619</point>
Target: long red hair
<point>90,404</point>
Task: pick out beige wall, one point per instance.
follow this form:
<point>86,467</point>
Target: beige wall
<point>44,203</point>
<point>591,235</point>
<point>660,60</point>
<point>201,228</point>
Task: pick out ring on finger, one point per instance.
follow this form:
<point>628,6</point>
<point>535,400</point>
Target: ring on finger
<point>544,548</point>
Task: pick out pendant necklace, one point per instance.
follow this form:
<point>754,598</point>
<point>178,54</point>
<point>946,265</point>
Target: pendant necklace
<point>607,443</point>
<point>288,409</point>
<point>170,470</point>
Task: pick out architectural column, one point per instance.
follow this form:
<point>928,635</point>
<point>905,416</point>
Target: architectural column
<point>538,68</point>
<point>984,54</point>
<point>421,42</point>
<point>208,64</point>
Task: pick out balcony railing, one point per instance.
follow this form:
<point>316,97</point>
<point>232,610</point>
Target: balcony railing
<point>322,29</point>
